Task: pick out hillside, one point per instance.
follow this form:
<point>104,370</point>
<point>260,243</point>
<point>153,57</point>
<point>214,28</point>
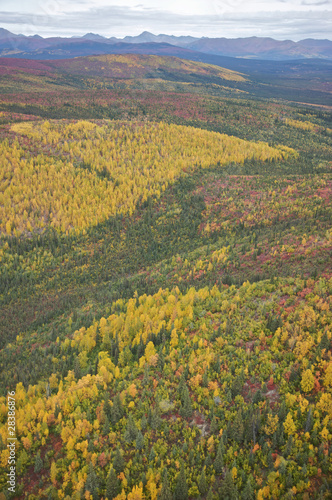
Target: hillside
<point>165,284</point>
<point>143,66</point>
<point>164,67</point>
<point>105,71</point>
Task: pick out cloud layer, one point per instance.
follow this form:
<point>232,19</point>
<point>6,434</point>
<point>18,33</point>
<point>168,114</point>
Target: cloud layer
<point>228,18</point>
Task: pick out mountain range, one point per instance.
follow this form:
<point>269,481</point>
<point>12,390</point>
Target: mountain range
<point>37,47</point>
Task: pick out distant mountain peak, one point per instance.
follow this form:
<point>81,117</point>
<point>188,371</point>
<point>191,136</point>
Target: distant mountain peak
<point>145,36</point>
<point>5,33</point>
<point>93,36</point>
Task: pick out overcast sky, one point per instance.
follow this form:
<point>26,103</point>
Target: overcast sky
<point>280,19</point>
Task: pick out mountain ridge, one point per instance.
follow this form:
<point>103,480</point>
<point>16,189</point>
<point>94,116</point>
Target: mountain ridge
<point>248,47</point>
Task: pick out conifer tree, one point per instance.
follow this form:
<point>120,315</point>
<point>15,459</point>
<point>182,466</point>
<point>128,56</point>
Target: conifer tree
<point>186,409</point>
<point>117,410</point>
<point>325,343</point>
<point>210,494</point>
<point>131,430</point>
<point>155,418</point>
<point>282,412</point>
<point>248,492</point>
<point>282,468</point>
<point>208,460</point>
<point>57,410</point>
<point>112,485</point>
<point>165,493</point>
<point>214,426</point>
<point>144,422</point>
<point>91,483</point>
<point>145,380</point>
<point>205,380</point>
<point>77,369</point>
<point>219,463</point>
<point>228,488</point>
<point>107,407</point>
<point>289,446</point>
<point>202,484</point>
<point>139,441</point>
<point>182,386</point>
<point>106,426</point>
<point>270,461</point>
<point>289,480</point>
<point>152,455</point>
<point>118,462</point>
<point>238,428</point>
<point>181,487</point>
<point>309,421</point>
<point>38,463</point>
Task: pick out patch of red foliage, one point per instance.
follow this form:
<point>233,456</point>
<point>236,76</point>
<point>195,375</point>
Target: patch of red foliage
<point>31,478</point>
<point>198,419</point>
<point>11,65</point>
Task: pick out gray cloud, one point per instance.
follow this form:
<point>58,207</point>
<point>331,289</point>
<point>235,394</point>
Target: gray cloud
<point>121,21</point>
<point>316,3</point>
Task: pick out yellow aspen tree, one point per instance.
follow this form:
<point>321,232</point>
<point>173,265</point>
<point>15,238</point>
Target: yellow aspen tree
<point>136,493</point>
<point>289,425</point>
<point>328,376</point>
<point>308,381</point>
<point>53,473</point>
<point>149,351</point>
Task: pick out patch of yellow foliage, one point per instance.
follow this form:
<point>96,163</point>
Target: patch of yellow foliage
<point>86,173</point>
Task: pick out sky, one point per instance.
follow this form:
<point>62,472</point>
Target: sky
<point>279,19</point>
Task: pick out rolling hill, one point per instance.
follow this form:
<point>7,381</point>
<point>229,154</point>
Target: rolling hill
<point>307,81</point>
<point>144,66</point>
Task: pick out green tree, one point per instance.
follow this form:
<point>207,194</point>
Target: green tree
<point>282,468</point>
<point>210,494</point>
<point>182,386</point>
<point>228,489</point>
<point>106,426</point>
<point>144,423</point>
<point>91,483</point>
<point>309,421</point>
<point>22,460</point>
<point>152,455</point>
<point>238,427</point>
<point>165,493</point>
<point>118,462</point>
<point>139,441</point>
<point>112,485</point>
<point>155,418</point>
<point>214,427</point>
<point>107,407</point>
<point>325,343</point>
<point>116,410</point>
<point>237,385</point>
<point>38,463</point>
<point>186,410</point>
<point>181,487</point>
<point>77,369</point>
<point>219,463</point>
<point>202,484</point>
<point>131,430</point>
<point>248,492</point>
<point>205,380</point>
